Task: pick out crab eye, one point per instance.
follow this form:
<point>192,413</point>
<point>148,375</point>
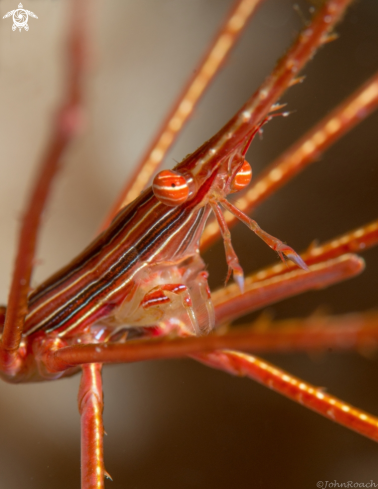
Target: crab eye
<point>242,178</point>
<point>170,188</point>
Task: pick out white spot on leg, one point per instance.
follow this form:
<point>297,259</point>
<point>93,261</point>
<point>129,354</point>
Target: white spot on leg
<point>333,126</point>
<point>275,175</point>
<point>246,115</point>
<point>157,155</point>
<point>331,413</point>
<point>186,107</point>
<point>308,147</point>
<point>358,233</point>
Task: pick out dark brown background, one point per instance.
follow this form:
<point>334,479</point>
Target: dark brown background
<point>179,424</point>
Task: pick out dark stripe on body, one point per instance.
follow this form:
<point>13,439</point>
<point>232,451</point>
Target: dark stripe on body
<point>151,235</point>
<point>106,283</point>
<point>94,249</point>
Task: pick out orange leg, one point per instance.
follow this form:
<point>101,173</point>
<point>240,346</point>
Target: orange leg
<point>306,394</point>
<point>231,257</point>
<point>229,304</point>
<point>356,240</point>
<point>283,250</point>
<point>307,150</point>
<point>68,122</point>
<point>92,430</point>
<point>90,396</point>
<point>256,108</point>
<point>348,332</point>
<point>225,40</point>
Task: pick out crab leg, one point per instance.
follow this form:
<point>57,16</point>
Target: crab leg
<point>357,240</point>
<point>306,394</point>
<point>234,134</point>
<point>231,257</point>
<point>67,124</point>
<point>283,250</point>
<point>350,332</point>
<point>341,333</point>
<point>228,305</point>
<point>259,105</point>
<point>91,405</point>
<point>225,40</point>
<point>307,150</point>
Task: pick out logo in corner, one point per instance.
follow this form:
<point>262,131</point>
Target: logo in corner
<point>20,18</point>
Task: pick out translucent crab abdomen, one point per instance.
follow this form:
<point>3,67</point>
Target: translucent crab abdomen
<point>176,298</point>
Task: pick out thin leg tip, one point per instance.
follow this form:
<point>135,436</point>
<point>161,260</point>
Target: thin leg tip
<point>297,260</point>
<point>107,475</point>
<point>239,279</point>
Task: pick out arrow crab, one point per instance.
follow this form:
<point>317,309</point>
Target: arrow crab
<point>157,399</point>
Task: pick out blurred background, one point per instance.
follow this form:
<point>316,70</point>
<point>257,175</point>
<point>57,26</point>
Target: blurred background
<point>177,423</point>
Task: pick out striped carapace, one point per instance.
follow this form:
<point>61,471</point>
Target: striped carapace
<point>125,277</point>
<point>145,269</point>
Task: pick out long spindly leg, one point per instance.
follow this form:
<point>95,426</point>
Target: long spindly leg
<point>235,133</point>
<point>230,304</point>
<point>225,39</point>
<point>262,288</point>
<point>66,126</point>
<point>283,250</point>
<point>231,257</point>
<point>237,363</point>
<point>256,108</point>
<point>233,362</point>
<point>321,275</point>
<point>304,152</point>
<point>91,405</point>
<point>356,332</point>
<point>357,240</point>
<point>296,389</point>
<point>342,333</point>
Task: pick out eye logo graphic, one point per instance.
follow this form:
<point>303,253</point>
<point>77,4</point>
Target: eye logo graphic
<point>20,18</point>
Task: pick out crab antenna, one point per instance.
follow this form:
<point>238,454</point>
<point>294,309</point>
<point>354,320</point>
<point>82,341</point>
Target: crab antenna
<point>256,129</point>
<point>283,250</point>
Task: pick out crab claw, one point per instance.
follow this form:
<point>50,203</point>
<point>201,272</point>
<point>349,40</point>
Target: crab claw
<point>282,249</point>
<point>239,279</point>
<point>293,256</point>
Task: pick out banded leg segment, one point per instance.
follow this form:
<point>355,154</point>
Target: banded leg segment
<point>91,405</point>
<point>314,398</point>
